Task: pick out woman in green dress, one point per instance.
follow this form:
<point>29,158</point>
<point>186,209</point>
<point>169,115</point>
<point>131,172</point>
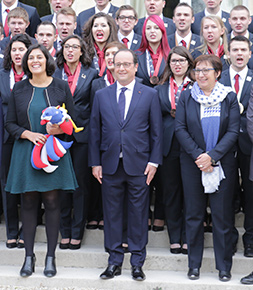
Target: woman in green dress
<point>28,99</point>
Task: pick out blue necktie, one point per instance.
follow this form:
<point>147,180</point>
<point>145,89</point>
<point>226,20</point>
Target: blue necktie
<point>121,104</point>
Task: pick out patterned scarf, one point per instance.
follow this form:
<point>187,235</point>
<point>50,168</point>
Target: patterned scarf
<point>17,77</point>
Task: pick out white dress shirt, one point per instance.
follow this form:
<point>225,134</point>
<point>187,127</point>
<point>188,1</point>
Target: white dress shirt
<point>130,37</point>
<point>4,13</point>
<point>105,10</point>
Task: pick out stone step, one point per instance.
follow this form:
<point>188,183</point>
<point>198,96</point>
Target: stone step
<point>95,257</point>
<point>88,279</point>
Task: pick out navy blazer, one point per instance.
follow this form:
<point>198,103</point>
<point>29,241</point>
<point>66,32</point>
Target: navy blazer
<point>4,43</point>
<point>136,42</point>
<point>250,130</point>
<point>34,18</point>
<point>142,71</point>
<point>47,18</point>
<point>250,28</point>
<point>168,23</point>
<point>81,100</point>
<point>195,41</point>
<point>189,130</point>
<point>83,17</point>
<point>243,140</point>
<point>196,26</point>
<point>139,136</point>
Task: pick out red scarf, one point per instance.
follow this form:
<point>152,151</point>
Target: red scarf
<point>72,78</point>
<point>155,56</point>
<point>110,77</point>
<point>220,51</point>
<point>100,54</point>
<point>17,77</point>
<point>53,52</point>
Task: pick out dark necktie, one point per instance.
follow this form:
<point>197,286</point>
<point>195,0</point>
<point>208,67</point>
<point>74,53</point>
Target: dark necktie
<point>237,83</point>
<point>125,41</point>
<point>183,43</point>
<point>121,104</point>
<point>6,27</point>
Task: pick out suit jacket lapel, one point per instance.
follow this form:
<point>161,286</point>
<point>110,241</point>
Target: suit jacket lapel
<point>246,86</point>
<point>165,97</point>
<point>81,79</point>
<point>113,100</point>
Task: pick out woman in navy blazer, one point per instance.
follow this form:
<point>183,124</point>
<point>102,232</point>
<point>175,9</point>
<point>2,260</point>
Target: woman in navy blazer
<point>176,78</point>
<point>11,74</point>
<point>74,67</point>
<point>207,127</point>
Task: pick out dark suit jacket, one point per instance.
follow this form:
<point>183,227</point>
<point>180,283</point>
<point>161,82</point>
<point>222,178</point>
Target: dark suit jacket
<point>196,26</point>
<point>195,41</point>
<point>34,18</point>
<point>136,42</point>
<point>189,130</point>
<point>83,17</point>
<point>139,136</point>
<point>47,18</point>
<point>81,100</point>
<point>142,71</point>
<point>250,130</point>
<point>250,28</point>
<point>168,23</point>
<point>4,43</point>
<point>243,140</point>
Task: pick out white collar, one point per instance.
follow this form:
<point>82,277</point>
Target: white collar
<point>161,16</point>
<point>217,14</point>
<point>105,10</point>
<point>245,35</point>
<point>242,73</point>
<point>187,38</point>
<point>4,7</point>
<point>130,36</point>
<point>129,86</point>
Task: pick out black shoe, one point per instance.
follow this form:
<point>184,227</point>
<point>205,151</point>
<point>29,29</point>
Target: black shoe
<point>234,249</point>
<point>110,272</point>
<point>91,227</point>
<point>64,246</point>
<point>11,245</point>
<point>157,228</point>
<point>50,269</point>
<point>137,274</point>
<point>176,250</point>
<point>28,266</point>
<point>193,274</point>
<point>20,245</point>
<point>224,276</point>
<point>101,227</point>
<point>75,246</point>
<point>184,251</point>
<point>247,279</point>
<point>248,251</point>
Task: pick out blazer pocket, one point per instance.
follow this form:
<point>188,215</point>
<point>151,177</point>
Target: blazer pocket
<point>143,148</point>
<point>103,147</point>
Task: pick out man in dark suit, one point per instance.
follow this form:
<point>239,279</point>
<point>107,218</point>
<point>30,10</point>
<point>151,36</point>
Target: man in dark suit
<point>101,6</point>
<point>126,18</point>
<point>124,152</point>
<point>183,18</point>
<point>56,5</point>
<point>8,5</point>
<point>155,7</point>
<point>240,20</point>
<point>213,8</point>
<point>239,77</point>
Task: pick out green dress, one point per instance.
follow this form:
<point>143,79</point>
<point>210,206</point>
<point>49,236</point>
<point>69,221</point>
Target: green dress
<point>22,176</point>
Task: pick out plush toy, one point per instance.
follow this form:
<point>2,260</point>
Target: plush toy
<point>54,148</point>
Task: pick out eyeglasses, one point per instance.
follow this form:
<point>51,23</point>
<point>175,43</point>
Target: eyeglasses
<point>124,64</point>
<point>204,71</point>
<point>74,46</point>
<point>124,18</point>
<point>180,61</point>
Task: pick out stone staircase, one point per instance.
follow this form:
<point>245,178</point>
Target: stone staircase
<point>80,270</point>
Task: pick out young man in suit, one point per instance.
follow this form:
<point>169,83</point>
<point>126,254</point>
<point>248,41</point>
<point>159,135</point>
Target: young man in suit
<point>155,7</point>
<point>239,77</point>
<point>212,8</point>
<point>101,6</point>
<point>7,5</point>
<point>56,5</point>
<point>124,152</point>
<point>126,18</point>
<point>183,18</point>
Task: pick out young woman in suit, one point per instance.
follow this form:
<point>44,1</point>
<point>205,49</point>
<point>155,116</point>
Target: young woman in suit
<point>99,30</point>
<point>11,74</point>
<point>74,67</point>
<point>176,78</point>
<point>153,51</point>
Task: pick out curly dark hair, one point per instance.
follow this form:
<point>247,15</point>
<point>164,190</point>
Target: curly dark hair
<point>85,58</point>
<point>24,38</point>
<point>87,31</point>
<point>50,64</point>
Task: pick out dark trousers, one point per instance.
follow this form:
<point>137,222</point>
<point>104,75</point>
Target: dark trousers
<point>221,208</point>
<point>73,222</point>
<point>10,201</point>
<point>116,189</point>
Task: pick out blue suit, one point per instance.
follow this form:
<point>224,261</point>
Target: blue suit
<point>195,41</point>
<point>83,17</point>
<point>4,43</point>
<point>138,137</point>
<point>244,147</point>
<point>47,18</point>
<point>136,42</point>
<point>250,28</point>
<point>191,138</point>
<point>196,26</point>
<point>34,18</point>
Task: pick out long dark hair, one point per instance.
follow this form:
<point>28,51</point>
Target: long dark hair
<point>85,59</point>
<point>182,51</point>
<point>24,38</point>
